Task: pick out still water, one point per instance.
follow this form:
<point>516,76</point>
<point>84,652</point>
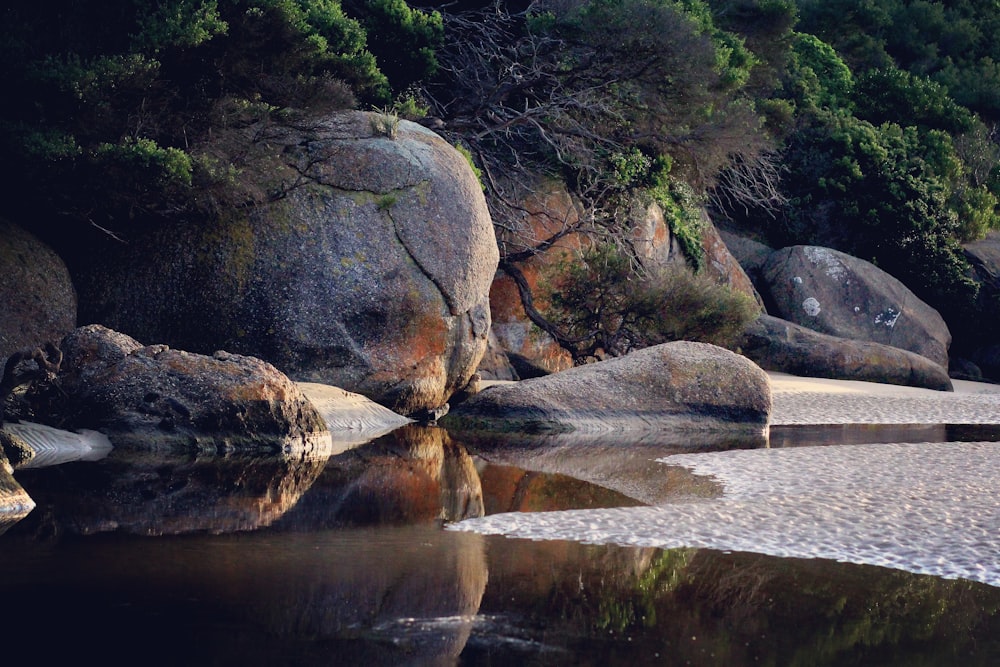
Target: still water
<point>385,554</point>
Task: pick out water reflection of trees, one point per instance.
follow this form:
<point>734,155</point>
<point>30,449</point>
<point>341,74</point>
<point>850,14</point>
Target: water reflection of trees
<point>709,607</point>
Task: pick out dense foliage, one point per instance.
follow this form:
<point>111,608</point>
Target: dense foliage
<point>886,155</point>
<point>866,125</point>
<point>114,109</point>
<point>602,308</point>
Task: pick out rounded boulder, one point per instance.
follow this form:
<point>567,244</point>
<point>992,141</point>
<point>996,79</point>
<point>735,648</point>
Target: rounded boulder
<point>368,268</point>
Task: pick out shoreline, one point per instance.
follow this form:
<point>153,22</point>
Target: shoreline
<point>819,401</point>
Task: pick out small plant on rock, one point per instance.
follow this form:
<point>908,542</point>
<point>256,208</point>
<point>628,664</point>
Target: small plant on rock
<point>385,122</point>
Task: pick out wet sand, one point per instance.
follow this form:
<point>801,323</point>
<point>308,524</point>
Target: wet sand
<point>801,400</point>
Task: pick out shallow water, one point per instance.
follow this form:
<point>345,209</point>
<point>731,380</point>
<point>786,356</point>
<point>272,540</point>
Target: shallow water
<point>654,552</point>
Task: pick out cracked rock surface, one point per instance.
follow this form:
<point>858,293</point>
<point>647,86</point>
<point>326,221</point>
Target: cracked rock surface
<point>370,271</point>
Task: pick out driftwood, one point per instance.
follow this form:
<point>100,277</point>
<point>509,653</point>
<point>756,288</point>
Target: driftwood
<point>48,360</point>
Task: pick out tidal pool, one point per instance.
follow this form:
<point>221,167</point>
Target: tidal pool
<point>838,547</point>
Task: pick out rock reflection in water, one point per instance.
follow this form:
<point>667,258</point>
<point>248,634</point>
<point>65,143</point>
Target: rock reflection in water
<point>166,494</point>
<point>416,474</point>
<point>625,465</point>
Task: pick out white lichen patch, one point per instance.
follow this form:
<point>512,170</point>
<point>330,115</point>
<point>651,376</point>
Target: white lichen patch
<point>888,317</point>
<point>827,262</point>
<point>811,307</point>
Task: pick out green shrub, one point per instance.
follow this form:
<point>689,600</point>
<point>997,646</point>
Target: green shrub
<point>606,308</point>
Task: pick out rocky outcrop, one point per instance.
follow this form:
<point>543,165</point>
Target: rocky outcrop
<point>37,298</point>
<point>751,254</point>
<point>839,295</point>
<point>154,396</point>
<point>778,345</point>
<point>722,265</point>
<point>543,241</point>
<point>677,386</point>
<point>369,268</point>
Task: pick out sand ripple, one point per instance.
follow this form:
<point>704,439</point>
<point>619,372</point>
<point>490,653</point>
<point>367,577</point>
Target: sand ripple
<point>928,508</point>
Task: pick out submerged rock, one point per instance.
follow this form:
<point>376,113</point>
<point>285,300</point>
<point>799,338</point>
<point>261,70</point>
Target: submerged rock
<point>778,345</point>
<point>681,386</point>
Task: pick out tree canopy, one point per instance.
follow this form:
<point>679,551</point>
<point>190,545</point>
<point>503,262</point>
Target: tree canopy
<point>868,125</point>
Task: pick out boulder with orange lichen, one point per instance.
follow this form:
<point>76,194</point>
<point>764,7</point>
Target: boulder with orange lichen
<point>155,397</point>
<point>368,269</point>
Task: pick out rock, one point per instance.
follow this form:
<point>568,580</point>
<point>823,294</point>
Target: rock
<point>14,448</point>
<point>351,418</point>
<point>980,343</point>
<point>496,364</point>
<point>721,265</point>
<point>15,503</point>
<point>677,386</point>
<point>154,396</point>
<point>778,345</point>
<point>984,256</point>
<point>987,358</point>
<point>37,299</point>
<point>839,295</point>
<point>368,270</point>
<point>547,212</point>
<point>750,253</point>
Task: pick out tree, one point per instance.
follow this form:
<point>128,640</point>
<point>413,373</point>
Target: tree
<point>601,308</point>
<point>579,88</point>
<point>115,108</point>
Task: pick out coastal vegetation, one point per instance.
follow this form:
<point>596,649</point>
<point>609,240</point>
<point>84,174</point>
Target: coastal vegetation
<point>869,127</point>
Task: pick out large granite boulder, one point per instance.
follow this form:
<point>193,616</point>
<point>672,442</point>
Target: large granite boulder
<point>37,298</point>
<point>840,295</point>
<point>779,345</point>
<point>154,397</point>
<point>369,268</point>
<point>681,386</point>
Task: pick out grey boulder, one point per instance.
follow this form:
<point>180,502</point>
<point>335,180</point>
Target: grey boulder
<point>836,294</point>
<point>680,386</point>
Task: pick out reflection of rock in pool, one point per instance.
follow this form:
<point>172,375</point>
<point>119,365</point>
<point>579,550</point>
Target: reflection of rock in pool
<point>392,595</point>
<point>163,494</point>
<point>414,474</point>
<point>53,446</point>
<point>15,503</point>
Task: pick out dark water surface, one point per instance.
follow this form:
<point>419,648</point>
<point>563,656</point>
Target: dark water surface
<point>145,559</point>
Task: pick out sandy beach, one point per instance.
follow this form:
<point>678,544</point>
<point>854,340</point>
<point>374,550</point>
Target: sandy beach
<point>801,400</point>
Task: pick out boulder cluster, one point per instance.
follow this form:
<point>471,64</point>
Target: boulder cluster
<point>376,271</point>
